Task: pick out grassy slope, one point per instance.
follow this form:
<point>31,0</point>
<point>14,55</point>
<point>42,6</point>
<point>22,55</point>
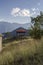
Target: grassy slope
<point>25,52</point>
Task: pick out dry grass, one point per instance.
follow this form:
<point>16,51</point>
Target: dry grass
<point>22,52</point>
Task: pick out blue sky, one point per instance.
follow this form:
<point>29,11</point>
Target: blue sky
<point>19,11</point>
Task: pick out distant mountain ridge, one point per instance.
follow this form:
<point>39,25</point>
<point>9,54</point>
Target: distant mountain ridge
<point>8,27</point>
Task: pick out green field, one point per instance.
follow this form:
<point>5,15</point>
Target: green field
<point>22,52</point>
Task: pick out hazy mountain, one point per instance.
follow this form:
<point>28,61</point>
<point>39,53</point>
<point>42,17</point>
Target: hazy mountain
<point>7,27</point>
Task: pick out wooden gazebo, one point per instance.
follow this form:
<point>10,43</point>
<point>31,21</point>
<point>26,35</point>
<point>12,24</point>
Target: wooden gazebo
<point>21,32</point>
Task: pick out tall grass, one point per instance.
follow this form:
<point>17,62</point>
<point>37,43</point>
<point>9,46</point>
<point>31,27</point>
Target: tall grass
<point>25,52</point>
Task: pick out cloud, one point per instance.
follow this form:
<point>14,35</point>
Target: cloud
<point>24,12</point>
<point>1,19</point>
<point>33,13</point>
<point>15,11</point>
<point>20,12</point>
<point>35,9</point>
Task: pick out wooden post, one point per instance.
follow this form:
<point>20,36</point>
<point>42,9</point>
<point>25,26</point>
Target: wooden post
<point>0,43</point>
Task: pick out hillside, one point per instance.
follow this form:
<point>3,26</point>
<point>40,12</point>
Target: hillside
<point>8,27</point>
<point>22,52</point>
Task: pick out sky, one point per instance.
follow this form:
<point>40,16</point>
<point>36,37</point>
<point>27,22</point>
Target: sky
<point>19,11</point>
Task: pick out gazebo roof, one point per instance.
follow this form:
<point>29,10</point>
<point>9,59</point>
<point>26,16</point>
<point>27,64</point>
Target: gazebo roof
<point>20,31</point>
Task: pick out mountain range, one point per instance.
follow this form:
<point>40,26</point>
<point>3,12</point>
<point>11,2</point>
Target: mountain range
<point>8,27</point>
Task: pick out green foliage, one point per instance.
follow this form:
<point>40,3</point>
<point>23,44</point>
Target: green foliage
<point>36,28</point>
<point>42,32</point>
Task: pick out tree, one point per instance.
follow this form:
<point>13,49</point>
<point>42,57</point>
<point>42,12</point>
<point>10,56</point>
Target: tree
<point>36,28</point>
